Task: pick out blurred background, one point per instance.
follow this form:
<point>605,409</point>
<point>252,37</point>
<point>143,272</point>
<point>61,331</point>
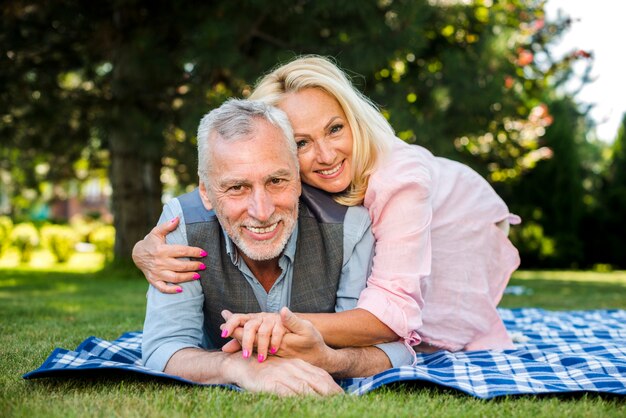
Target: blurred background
<point>99,103</point>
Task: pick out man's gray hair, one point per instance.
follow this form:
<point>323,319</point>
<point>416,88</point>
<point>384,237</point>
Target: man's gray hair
<point>235,120</point>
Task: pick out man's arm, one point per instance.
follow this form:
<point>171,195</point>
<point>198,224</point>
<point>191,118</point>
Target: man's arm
<point>279,376</point>
<point>357,362</point>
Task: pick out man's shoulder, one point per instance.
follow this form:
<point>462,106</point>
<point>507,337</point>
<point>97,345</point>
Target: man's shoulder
<point>193,209</point>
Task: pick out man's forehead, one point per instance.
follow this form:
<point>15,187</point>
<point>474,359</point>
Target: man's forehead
<point>251,160</point>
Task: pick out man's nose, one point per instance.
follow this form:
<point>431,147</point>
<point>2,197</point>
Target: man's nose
<point>325,152</point>
<point>261,205</point>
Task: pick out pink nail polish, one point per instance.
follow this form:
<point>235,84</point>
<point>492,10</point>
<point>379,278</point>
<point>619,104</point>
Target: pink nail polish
<point>225,334</point>
<point>246,354</point>
<point>173,220</point>
<point>273,350</point>
<point>201,266</point>
<point>261,358</point>
<point>196,276</point>
<point>178,290</point>
<point>203,253</point>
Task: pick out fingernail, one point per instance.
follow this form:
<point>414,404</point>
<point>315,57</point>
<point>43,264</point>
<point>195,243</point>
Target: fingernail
<point>246,354</point>
<point>179,289</point>
<point>203,253</point>
<point>201,266</point>
<point>196,276</point>
<point>261,358</point>
<point>273,350</point>
<point>173,220</point>
<point>225,334</point>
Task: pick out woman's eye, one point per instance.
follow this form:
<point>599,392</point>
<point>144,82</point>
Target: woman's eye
<point>301,143</point>
<point>336,128</point>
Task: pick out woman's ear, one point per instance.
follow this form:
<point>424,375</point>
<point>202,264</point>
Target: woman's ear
<point>205,197</point>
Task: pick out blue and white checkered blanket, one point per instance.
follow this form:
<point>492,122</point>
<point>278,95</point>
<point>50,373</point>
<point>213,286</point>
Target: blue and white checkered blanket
<point>576,351</point>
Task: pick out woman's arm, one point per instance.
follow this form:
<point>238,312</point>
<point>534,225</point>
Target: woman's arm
<point>399,202</point>
<point>163,255</point>
<point>352,328</point>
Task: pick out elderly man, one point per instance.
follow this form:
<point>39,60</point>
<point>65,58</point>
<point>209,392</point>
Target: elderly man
<point>267,249</point>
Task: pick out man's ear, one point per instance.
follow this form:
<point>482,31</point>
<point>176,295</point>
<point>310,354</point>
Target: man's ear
<point>205,197</point>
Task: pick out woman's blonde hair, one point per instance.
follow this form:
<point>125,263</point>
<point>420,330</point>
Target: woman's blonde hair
<point>369,127</point>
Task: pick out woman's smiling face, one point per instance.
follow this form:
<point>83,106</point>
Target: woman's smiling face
<point>323,137</point>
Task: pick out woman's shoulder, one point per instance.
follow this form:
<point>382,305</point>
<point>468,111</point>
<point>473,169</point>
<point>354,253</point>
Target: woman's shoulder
<point>404,162</point>
<point>403,167</point>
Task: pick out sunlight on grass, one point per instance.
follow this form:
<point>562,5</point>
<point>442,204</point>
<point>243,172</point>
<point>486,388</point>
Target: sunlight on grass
<point>577,276</point>
<point>66,308</point>
<point>43,260</point>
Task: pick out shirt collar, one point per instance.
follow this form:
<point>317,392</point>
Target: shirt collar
<point>289,251</point>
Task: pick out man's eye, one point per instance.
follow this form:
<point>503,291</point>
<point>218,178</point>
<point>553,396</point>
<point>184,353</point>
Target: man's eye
<point>276,181</point>
<point>236,188</point>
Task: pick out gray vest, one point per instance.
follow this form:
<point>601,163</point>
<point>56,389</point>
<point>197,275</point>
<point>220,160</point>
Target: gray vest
<point>316,270</point>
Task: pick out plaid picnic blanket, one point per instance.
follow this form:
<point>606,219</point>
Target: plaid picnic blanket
<point>556,352</point>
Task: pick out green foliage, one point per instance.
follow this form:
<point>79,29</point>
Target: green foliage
<point>133,79</point>
<point>605,231</point>
<point>25,238</point>
<point>534,246</point>
<point>127,83</point>
<point>6,226</point>
<point>61,240</point>
<point>103,237</point>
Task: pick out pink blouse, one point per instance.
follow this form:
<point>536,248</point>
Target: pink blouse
<point>441,264</point>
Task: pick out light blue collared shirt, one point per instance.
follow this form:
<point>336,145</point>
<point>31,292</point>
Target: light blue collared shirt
<point>176,321</point>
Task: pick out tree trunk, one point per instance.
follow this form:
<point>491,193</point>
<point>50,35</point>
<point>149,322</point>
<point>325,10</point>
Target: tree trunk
<point>136,195</point>
<point>135,129</point>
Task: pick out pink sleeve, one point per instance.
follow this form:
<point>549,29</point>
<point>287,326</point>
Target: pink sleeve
<point>401,214</point>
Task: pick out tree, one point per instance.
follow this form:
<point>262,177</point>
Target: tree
<point>607,243</point>
<point>552,192</point>
<point>133,78</point>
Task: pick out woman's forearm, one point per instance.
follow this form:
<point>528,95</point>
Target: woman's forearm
<point>352,328</point>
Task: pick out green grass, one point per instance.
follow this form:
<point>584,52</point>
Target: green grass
<point>43,306</point>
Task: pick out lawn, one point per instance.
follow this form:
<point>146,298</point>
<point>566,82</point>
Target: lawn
<point>43,306</point>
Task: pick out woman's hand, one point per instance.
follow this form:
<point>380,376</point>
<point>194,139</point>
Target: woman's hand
<point>161,263</point>
<point>263,330</point>
<point>288,335</point>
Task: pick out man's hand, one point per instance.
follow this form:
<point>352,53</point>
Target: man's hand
<point>304,341</point>
<point>160,262</point>
<point>285,377</point>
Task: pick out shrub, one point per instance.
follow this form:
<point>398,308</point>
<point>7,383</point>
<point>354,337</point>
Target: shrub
<point>84,226</point>
<point>61,241</point>
<point>6,226</point>
<point>25,238</point>
<point>103,238</point>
